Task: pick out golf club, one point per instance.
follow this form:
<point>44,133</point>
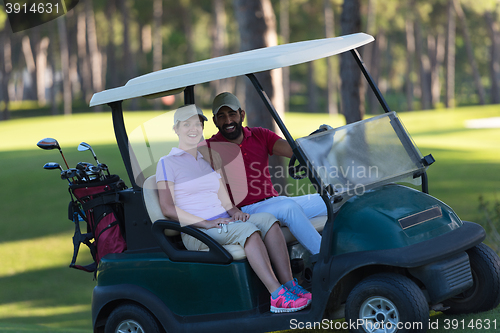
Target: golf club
<point>104,167</point>
<point>50,143</point>
<point>85,146</point>
<point>52,166</point>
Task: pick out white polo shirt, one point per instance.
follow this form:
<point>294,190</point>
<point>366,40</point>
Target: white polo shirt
<point>196,184</point>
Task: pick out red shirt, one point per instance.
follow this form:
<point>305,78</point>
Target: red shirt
<point>255,149</point>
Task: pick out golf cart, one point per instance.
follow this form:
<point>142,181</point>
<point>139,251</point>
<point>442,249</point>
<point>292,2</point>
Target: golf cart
<point>389,253</point>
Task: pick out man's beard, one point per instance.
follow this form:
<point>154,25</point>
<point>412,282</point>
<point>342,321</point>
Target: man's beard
<point>238,128</point>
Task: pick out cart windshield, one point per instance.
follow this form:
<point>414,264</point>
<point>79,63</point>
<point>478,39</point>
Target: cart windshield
<point>360,156</point>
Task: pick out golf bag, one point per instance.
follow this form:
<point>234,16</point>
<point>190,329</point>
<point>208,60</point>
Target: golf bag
<point>98,204</point>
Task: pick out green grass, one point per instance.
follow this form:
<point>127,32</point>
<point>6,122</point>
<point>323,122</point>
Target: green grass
<point>39,293</point>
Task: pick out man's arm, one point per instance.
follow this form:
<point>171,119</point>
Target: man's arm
<point>282,148</point>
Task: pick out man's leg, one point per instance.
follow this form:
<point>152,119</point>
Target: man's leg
<point>291,214</point>
<point>312,204</point>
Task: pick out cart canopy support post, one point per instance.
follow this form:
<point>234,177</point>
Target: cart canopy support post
<point>369,78</point>
<point>122,139</point>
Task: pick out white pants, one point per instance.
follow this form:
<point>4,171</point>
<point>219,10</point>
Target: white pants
<point>295,212</point>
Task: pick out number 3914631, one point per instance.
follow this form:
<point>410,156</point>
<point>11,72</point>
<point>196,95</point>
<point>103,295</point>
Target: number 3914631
<point>35,8</point>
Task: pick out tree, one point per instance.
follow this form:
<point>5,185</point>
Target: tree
<point>30,66</point>
<point>494,32</point>
<point>410,54</point>
<point>285,37</point>
<point>63,44</point>
<point>5,70</point>
<point>257,27</point>
<point>157,41</point>
<point>351,88</point>
<point>331,74</point>
<point>84,64</point>
<point>450,57</point>
<point>220,44</point>
<point>424,65</point>
<point>95,54</point>
<point>470,53</point>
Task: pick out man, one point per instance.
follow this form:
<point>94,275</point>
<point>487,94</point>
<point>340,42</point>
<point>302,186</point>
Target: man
<point>256,145</point>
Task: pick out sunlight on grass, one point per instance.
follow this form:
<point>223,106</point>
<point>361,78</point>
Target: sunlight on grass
<point>36,254</point>
<point>30,309</point>
<point>40,294</point>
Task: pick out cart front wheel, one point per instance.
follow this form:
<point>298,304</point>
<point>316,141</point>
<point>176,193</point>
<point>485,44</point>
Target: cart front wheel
<point>131,318</point>
<point>484,294</point>
<point>386,303</point>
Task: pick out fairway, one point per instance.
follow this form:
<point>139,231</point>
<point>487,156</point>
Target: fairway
<point>41,294</point>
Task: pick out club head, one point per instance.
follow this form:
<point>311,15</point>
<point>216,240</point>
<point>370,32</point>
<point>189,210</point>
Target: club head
<point>84,146</point>
<point>48,143</point>
<point>52,166</point>
<point>67,174</point>
<point>84,166</point>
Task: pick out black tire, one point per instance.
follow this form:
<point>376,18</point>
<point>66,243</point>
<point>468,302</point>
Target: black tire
<point>131,318</point>
<point>484,295</point>
<point>387,297</point>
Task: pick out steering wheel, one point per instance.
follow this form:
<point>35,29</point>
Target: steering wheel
<point>301,171</point>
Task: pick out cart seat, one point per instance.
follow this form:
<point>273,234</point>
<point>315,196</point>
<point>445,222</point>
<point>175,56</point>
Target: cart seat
<point>150,193</point>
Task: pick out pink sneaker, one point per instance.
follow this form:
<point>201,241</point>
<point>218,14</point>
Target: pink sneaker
<point>299,291</point>
<point>287,302</point>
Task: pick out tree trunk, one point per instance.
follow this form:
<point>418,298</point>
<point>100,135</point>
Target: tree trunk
<point>128,56</point>
<point>351,88</point>
<point>410,56</point>
<point>450,57</point>
<point>157,42</point>
<point>436,48</point>
<point>379,47</point>
<point>494,31</point>
<point>113,79</point>
<point>331,72</point>
<point>52,56</point>
<point>312,89</point>
<point>84,64</point>
<point>41,67</point>
<point>187,21</point>
<point>470,53</point>
<point>219,45</point>
<point>30,66</point>
<point>5,69</point>
<point>423,65</point>
<point>257,26</point>
<point>95,54</point>
<point>370,56</point>
<point>63,44</point>
<point>285,37</point>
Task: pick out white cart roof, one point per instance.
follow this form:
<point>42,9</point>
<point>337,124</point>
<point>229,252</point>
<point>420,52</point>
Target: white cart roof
<point>174,80</point>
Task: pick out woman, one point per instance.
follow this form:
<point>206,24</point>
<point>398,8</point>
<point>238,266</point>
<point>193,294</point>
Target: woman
<point>191,192</point>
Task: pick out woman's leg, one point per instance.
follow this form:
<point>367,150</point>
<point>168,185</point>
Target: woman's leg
<point>278,253</point>
<point>258,258</point>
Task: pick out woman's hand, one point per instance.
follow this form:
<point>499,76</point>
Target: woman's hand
<point>238,215</point>
<point>217,223</point>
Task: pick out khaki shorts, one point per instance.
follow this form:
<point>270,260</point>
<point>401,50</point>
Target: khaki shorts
<point>237,233</point>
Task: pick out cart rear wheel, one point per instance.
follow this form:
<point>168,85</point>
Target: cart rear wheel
<point>484,294</point>
<point>131,318</point>
<point>387,303</point>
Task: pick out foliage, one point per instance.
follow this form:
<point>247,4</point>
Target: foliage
<point>490,220</point>
<point>187,35</point>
